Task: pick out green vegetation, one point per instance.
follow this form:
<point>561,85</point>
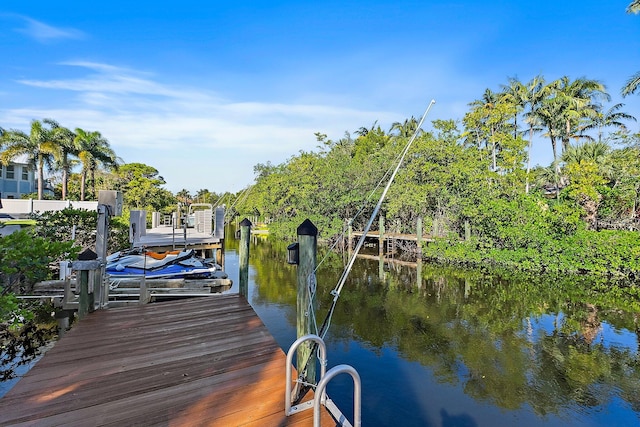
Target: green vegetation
<point>27,257</point>
<point>578,215</point>
<point>510,339</point>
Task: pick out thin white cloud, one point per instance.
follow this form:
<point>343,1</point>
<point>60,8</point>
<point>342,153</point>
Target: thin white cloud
<point>107,79</point>
<point>44,33</point>
<point>187,132</point>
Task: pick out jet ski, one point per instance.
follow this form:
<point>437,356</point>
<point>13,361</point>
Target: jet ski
<point>138,262</point>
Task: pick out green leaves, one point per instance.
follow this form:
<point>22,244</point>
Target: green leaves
<point>25,259</point>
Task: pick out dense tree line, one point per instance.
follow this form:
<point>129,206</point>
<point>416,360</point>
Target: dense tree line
<point>478,173</point>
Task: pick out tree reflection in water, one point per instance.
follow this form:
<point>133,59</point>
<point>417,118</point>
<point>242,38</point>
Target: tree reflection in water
<point>551,349</point>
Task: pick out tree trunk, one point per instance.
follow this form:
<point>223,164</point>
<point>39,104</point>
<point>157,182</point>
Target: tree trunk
<point>529,159</point>
<point>565,140</point>
<point>65,178</point>
<point>83,178</point>
<point>40,177</point>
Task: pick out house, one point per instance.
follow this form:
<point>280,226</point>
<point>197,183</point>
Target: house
<point>17,178</point>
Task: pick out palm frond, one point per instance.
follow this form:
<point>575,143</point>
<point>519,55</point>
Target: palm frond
<point>632,84</point>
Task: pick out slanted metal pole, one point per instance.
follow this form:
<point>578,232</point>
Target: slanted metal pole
<point>245,236</point>
<point>306,303</point>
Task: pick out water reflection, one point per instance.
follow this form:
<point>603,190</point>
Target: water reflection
<point>447,347</point>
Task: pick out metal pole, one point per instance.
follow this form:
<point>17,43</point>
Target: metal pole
<point>345,274</point>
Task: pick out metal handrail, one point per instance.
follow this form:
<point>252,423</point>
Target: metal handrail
<point>288,409</point>
<point>320,397</point>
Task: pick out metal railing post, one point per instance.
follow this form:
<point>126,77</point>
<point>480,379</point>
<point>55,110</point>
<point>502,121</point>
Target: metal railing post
<point>288,409</point>
<point>320,397</point>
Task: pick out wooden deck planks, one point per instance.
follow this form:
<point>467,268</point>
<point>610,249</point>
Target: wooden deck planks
<point>202,361</point>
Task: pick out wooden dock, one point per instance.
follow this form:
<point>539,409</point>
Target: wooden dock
<point>193,362</point>
<point>374,234</point>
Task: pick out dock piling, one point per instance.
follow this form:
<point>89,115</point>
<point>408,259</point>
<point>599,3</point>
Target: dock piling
<point>306,303</point>
<point>245,235</point>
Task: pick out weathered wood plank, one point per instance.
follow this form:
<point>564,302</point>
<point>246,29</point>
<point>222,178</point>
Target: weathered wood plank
<point>204,361</point>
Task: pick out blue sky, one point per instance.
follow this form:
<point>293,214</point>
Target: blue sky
<point>203,91</point>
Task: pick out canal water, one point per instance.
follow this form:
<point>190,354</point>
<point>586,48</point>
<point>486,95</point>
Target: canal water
<point>452,348</point>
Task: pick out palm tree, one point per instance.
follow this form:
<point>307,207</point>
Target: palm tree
<point>632,84</point>
<point>535,92</point>
<point>547,115</point>
<point>515,93</point>
<point>406,129</point>
<point>612,117</point>
<point>485,106</point>
<point>566,106</point>
<point>93,151</point>
<point>39,147</point>
<point>595,151</point>
<point>579,100</point>
<point>184,196</point>
<point>65,139</point>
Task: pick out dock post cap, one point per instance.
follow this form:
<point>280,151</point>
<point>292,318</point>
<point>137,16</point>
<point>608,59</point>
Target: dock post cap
<point>87,255</point>
<point>307,228</point>
<point>246,223</point>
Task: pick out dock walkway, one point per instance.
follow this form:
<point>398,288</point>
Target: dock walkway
<point>191,362</point>
<point>375,234</point>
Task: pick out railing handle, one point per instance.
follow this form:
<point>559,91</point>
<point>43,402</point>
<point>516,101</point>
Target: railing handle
<point>320,395</point>
<point>289,364</point>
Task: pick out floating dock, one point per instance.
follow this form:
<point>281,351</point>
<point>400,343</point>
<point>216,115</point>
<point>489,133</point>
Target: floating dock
<point>192,362</point>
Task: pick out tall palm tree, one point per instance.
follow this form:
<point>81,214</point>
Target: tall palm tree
<point>634,81</point>
<point>580,100</point>
<point>485,106</point>
<point>547,114</point>
<point>611,118</point>
<point>39,147</point>
<point>535,92</point>
<point>93,151</point>
<point>67,147</point>
<point>515,92</point>
<point>566,106</point>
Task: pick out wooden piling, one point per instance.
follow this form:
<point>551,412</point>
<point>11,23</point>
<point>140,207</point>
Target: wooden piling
<point>85,265</point>
<point>381,237</point>
<point>419,235</point>
<point>306,303</point>
<point>83,299</point>
<point>350,237</point>
<point>245,235</point>
<point>102,238</point>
